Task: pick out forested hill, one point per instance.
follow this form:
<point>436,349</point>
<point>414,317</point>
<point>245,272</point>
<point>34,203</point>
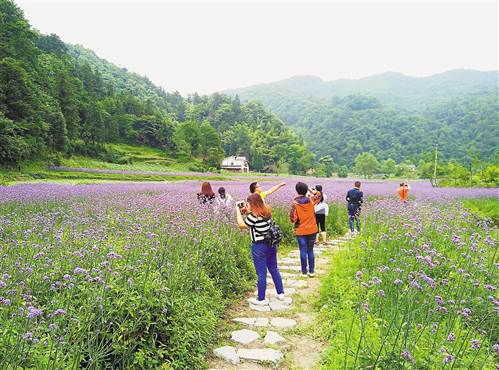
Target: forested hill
<point>389,87</point>
<point>59,99</point>
<point>390,115</point>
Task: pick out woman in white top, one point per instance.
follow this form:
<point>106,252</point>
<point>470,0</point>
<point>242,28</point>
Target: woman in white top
<point>321,211</point>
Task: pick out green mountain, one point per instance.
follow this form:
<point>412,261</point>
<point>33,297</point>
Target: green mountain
<point>390,115</point>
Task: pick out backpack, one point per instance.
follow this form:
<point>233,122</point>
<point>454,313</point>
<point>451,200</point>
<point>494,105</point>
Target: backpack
<point>273,234</point>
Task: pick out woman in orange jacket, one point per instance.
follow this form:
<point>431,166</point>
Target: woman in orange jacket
<point>302,214</point>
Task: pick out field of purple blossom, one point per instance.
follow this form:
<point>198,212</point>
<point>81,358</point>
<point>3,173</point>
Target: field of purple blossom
<point>417,290</point>
<point>138,275</point>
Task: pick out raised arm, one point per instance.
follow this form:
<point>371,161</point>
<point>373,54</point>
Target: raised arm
<point>316,196</point>
<point>275,188</point>
<point>240,222</point>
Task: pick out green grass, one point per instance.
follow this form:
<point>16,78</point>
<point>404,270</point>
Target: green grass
<point>486,207</point>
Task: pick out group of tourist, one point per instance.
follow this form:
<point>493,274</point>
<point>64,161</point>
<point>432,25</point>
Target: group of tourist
<point>308,213</point>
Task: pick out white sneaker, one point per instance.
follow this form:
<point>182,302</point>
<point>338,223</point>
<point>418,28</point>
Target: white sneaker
<point>311,274</point>
<point>256,302</point>
<point>281,296</point>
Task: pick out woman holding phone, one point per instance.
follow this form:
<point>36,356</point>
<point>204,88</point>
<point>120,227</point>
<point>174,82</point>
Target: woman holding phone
<point>258,222</point>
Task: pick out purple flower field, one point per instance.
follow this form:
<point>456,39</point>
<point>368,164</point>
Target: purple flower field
<point>335,189</point>
<point>137,275</point>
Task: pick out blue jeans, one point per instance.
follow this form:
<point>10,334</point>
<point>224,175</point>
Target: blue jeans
<point>353,215</point>
<point>265,257</point>
<point>306,244</point>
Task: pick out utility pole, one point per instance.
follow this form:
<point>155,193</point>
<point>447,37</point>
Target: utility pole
<point>435,166</point>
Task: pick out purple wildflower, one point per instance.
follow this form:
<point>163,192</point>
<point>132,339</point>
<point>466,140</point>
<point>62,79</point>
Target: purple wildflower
<point>397,282</point>
<point>406,355</point>
<point>466,312</point>
<point>475,343</point>
<point>451,337</point>
<point>448,358</point>
<point>33,312</point>
<point>439,300</point>
<point>28,336</point>
<point>113,255</point>
<point>381,293</point>
<point>59,312</point>
<point>80,271</point>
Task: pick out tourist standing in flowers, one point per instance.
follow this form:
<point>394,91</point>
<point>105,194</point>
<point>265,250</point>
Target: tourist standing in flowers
<point>403,192</point>
<point>302,215</point>
<point>223,198</point>
<point>206,196</point>
<point>264,255</point>
<point>256,188</point>
<point>354,198</point>
<point>321,211</point>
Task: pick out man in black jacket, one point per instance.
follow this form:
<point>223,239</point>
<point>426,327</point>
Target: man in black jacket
<point>354,199</point>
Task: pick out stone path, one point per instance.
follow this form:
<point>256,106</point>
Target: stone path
<point>271,336</point>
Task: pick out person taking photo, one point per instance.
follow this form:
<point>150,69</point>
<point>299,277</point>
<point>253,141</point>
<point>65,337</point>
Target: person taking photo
<point>302,215</point>
<point>258,221</point>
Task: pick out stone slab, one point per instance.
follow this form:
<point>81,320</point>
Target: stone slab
<point>259,308</point>
<point>278,306</point>
<point>272,293</point>
<point>260,355</point>
<point>290,268</point>
<point>228,354</point>
<point>244,336</point>
<point>273,338</point>
<point>261,322</point>
<point>245,320</point>
<point>282,323</point>
<point>286,301</point>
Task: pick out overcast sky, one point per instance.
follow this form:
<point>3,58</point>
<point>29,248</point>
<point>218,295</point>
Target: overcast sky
<point>210,46</point>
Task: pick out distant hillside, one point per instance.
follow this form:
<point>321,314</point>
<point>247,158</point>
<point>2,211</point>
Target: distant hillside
<point>388,87</point>
<point>390,115</point>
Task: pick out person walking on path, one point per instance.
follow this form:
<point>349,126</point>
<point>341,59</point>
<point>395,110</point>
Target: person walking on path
<point>354,198</point>
<point>302,215</point>
<point>256,188</point>
<point>321,211</point>
<point>264,255</point>
<point>206,196</point>
<point>403,192</point>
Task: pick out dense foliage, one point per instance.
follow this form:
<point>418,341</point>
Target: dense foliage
<point>417,289</point>
<point>58,98</point>
<point>390,116</point>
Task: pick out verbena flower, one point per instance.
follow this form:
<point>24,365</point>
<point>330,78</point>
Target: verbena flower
<point>406,355</point>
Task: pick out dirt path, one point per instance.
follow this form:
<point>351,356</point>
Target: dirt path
<point>284,336</point>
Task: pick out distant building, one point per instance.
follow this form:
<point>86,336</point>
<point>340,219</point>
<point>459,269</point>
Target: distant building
<point>237,164</point>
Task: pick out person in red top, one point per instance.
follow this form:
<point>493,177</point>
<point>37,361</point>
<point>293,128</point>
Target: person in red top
<point>302,214</point>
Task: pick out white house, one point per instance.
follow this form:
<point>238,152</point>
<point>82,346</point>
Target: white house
<point>239,164</point>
